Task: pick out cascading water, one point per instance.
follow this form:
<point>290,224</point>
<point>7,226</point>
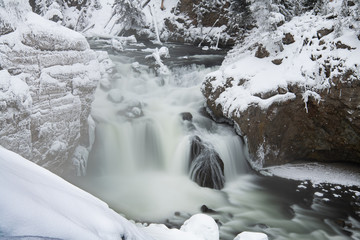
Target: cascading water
<point>153,137</point>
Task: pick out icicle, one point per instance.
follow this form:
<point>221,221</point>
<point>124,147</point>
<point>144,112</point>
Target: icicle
<point>155,24</point>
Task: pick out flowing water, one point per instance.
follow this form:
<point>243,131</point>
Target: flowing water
<point>140,162</point>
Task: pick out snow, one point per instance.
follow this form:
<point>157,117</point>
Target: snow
<point>251,236</point>
<point>198,227</point>
<point>14,90</point>
<point>35,30</point>
<point>202,226</point>
<point>252,77</point>
<point>316,173</point>
<point>35,202</point>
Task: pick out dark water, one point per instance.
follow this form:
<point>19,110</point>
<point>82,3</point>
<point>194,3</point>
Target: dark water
<point>139,166</point>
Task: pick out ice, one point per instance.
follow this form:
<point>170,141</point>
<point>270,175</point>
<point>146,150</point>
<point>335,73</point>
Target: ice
<point>316,173</point>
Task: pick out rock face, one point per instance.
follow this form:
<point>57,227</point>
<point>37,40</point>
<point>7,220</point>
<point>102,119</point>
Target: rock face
<point>306,108</point>
<point>50,77</point>
<point>328,131</point>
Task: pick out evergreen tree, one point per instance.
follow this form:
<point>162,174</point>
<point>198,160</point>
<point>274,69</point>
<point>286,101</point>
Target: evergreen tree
<point>41,6</point>
<point>128,13</point>
<point>241,16</point>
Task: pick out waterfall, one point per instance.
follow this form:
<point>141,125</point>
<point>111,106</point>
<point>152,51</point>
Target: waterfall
<point>144,132</point>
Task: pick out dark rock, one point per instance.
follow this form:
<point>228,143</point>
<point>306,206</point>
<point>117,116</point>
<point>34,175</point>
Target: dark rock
<point>323,32</point>
<point>261,52</point>
<point>277,61</point>
<point>205,209</point>
<point>186,116</point>
<point>340,45</point>
<point>288,39</point>
<point>350,3</point>
<point>206,167</point>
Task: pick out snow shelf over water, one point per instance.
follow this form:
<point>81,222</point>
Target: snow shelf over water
<point>317,173</point>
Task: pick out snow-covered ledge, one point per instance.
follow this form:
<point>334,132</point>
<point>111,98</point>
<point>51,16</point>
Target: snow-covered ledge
<point>49,76</point>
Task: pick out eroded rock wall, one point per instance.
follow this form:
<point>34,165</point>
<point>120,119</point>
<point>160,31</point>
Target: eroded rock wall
<point>50,78</point>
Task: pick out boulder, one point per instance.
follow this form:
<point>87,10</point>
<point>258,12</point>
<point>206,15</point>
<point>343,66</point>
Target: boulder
<point>261,52</point>
<point>186,116</point>
<point>206,167</point>
<point>288,39</point>
<point>202,226</point>
<point>303,128</point>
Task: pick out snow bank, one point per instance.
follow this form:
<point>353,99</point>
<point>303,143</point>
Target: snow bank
<point>36,202</point>
<point>316,173</point>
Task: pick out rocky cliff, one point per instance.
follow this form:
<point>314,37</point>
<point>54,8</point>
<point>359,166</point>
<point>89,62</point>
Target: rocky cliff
<point>48,78</point>
<point>292,93</point>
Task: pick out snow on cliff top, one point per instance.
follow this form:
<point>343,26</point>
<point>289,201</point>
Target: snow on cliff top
<point>297,63</point>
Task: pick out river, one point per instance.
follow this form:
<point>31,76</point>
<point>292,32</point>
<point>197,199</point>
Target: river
<point>139,164</point>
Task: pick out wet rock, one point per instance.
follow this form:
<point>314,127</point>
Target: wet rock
<point>186,116</point>
<point>288,39</point>
<point>206,166</point>
<point>261,52</point>
<point>205,209</point>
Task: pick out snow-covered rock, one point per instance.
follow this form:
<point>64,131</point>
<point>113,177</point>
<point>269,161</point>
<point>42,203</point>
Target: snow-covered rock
<point>292,92</point>
<point>203,226</point>
<point>50,76</point>
<point>198,227</point>
<point>251,236</point>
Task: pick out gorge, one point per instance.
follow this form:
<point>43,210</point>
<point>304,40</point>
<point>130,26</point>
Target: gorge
<point>130,118</point>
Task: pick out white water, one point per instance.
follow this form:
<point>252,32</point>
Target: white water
<point>140,166</point>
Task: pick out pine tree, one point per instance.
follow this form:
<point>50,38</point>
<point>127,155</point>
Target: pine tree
<point>41,6</point>
<point>241,16</point>
<point>128,13</point>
